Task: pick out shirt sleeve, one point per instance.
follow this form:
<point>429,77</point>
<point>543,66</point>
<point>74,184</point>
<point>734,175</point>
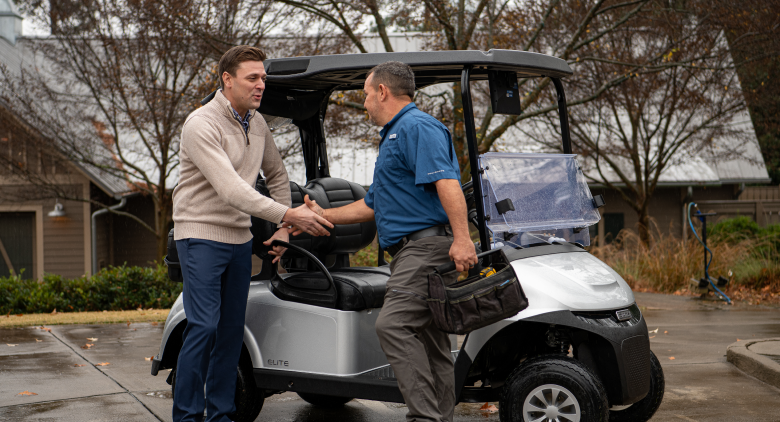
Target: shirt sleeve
<point>369,198</point>
<point>430,154</point>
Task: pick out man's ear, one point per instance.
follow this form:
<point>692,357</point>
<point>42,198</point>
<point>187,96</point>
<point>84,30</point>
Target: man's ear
<point>384,92</point>
<point>227,80</point>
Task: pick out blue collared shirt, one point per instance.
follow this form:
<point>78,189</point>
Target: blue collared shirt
<point>245,121</point>
<point>416,151</point>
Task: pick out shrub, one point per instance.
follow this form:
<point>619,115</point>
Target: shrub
<point>734,229</point>
<point>111,289</point>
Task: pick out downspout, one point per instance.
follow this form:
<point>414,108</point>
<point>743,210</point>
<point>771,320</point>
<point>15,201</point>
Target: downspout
<point>94,229</point>
<point>739,192</point>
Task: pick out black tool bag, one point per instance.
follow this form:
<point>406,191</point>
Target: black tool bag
<point>477,301</point>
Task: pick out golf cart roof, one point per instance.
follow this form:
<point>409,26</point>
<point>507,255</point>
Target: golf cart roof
<point>348,71</point>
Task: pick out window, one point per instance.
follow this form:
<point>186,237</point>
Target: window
<point>16,243</point>
<point>613,224</point>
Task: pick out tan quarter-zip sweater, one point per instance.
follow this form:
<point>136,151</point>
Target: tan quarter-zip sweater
<point>219,164</point>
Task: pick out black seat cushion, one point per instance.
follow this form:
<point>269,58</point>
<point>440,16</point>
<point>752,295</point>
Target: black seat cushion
<point>357,288</point>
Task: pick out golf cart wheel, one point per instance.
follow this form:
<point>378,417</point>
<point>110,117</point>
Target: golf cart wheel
<point>249,400</point>
<point>553,388</point>
<point>644,409</point>
<point>322,400</point>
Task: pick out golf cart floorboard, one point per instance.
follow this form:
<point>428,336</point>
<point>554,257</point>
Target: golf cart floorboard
<point>361,386</point>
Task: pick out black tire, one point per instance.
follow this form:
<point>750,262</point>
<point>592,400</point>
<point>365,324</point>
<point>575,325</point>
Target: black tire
<point>538,377</point>
<point>322,400</point>
<point>249,399</point>
<point>644,409</point>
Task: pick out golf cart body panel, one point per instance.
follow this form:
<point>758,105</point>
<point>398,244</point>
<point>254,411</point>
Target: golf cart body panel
<point>577,304</point>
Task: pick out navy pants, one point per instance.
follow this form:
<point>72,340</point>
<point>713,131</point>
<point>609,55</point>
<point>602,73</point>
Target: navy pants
<point>216,285</point>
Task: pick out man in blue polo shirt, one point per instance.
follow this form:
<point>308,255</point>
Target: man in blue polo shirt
<point>420,211</point>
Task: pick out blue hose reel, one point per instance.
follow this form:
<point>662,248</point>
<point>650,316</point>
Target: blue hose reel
<point>706,279</point>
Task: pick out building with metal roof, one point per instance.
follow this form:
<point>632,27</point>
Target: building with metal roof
<point>39,232</point>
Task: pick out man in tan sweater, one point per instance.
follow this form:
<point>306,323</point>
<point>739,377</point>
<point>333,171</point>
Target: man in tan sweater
<point>224,145</point>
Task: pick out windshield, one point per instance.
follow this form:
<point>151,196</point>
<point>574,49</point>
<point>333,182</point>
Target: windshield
<point>534,198</point>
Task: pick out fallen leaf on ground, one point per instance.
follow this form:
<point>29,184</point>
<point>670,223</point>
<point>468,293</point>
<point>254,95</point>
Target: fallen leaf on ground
<point>155,322</point>
<point>739,340</point>
<point>652,336</point>
<point>489,408</point>
<point>671,358</point>
<point>54,312</point>
<point>102,364</point>
<point>666,332</point>
<point>653,332</point>
<point>92,338</point>
<point>11,345</point>
<point>27,393</point>
<point>38,341</point>
<point>147,359</point>
<point>128,323</point>
<point>19,314</point>
<point>87,346</point>
<point>78,365</point>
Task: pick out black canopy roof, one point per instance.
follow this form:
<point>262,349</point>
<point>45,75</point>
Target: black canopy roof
<point>297,86</point>
<point>348,71</point>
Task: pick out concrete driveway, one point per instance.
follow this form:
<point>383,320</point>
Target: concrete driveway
<point>700,384</point>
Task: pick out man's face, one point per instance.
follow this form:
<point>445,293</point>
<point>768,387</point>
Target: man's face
<point>372,103</point>
<point>247,87</point>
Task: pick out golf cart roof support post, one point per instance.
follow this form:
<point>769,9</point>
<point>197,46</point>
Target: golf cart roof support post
<point>563,115</point>
<point>322,168</point>
<point>313,146</point>
<point>471,140</point>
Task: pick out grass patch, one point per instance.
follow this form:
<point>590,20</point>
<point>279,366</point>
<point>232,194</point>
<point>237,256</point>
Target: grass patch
<point>368,256</point>
<point>62,318</point>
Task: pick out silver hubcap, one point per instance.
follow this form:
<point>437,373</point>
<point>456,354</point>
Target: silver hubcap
<point>551,403</point>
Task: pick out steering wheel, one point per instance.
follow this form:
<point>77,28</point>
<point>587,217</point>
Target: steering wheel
<point>307,254</point>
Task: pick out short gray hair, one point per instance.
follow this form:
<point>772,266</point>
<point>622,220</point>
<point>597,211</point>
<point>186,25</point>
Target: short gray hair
<point>396,76</point>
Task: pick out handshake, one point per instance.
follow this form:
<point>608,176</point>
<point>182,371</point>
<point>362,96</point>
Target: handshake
<point>307,218</point>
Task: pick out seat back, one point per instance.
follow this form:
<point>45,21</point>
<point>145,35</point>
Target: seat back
<point>332,250</point>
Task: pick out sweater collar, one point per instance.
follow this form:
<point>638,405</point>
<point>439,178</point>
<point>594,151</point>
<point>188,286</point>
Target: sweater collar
<point>227,109</point>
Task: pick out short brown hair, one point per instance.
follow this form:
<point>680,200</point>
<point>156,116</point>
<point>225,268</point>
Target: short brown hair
<point>396,76</point>
<point>235,56</point>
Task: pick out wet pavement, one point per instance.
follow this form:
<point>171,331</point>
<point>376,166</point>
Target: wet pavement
<point>691,344</point>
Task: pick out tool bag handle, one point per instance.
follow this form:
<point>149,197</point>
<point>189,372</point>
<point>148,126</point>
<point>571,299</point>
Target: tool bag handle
<point>450,266</point>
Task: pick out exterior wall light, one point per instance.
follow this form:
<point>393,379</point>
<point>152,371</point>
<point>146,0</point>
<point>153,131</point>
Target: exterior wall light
<point>59,210</point>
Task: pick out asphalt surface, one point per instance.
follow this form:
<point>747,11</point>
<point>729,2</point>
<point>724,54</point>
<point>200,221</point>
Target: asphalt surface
<point>691,343</point>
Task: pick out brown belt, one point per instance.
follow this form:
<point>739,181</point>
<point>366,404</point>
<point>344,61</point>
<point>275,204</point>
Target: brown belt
<point>441,230</point>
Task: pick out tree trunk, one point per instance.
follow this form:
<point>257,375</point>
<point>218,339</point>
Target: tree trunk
<point>162,211</point>
<point>643,227</point>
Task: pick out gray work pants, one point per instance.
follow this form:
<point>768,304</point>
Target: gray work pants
<point>418,352</point>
